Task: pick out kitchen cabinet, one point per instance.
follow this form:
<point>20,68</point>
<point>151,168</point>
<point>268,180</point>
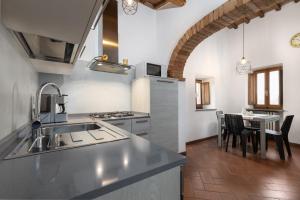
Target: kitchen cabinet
<point>139,126</point>
<point>124,124</point>
<point>91,45</point>
<point>52,33</point>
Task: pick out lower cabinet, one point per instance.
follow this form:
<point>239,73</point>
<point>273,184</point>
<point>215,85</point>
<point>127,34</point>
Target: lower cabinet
<point>162,186</point>
<point>138,126</point>
<point>124,124</point>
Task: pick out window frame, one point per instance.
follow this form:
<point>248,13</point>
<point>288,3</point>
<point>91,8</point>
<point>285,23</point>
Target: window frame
<point>198,106</point>
<point>204,92</point>
<point>252,87</point>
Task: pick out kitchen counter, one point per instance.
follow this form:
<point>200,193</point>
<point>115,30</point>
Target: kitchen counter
<point>85,172</point>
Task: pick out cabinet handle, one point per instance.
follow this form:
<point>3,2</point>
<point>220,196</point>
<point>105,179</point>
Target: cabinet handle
<point>142,134</point>
<point>119,124</point>
<point>165,81</point>
<point>99,14</point>
<point>141,121</point>
<point>83,49</point>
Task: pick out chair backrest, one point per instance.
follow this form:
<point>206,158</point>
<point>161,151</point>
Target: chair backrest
<point>219,112</point>
<point>228,122</point>
<point>285,128</point>
<point>237,124</point>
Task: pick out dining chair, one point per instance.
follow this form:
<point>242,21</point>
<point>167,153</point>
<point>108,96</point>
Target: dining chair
<point>223,125</point>
<point>281,137</point>
<point>236,128</point>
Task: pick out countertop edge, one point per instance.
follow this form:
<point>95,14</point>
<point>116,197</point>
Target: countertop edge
<point>118,185</point>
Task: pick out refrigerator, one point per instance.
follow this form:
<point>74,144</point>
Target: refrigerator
<point>158,97</point>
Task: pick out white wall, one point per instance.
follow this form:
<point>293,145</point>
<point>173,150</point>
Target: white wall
<point>267,43</point>
<point>173,23</point>
<point>89,91</point>
<point>18,81</point>
<point>137,35</point>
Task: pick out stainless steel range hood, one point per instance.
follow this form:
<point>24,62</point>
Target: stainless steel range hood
<point>110,43</point>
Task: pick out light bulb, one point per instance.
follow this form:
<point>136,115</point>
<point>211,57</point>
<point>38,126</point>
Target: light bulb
<point>243,61</point>
<point>129,2</point>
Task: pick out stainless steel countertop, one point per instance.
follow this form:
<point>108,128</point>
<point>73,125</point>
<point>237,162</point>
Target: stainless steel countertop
<point>85,172</point>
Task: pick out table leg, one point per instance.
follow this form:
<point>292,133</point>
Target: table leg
<point>219,132</point>
<point>263,139</point>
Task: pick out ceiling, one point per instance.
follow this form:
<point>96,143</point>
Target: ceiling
<point>163,4</point>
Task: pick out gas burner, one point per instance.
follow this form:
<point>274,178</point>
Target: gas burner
<point>109,115</point>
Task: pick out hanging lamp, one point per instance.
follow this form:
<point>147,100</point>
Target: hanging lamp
<point>244,66</point>
<point>130,7</point>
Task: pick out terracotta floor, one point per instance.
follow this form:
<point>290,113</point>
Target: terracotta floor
<point>211,173</point>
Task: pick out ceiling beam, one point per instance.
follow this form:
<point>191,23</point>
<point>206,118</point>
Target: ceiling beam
<point>157,5</point>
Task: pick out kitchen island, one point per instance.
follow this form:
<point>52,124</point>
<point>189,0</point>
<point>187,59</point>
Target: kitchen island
<point>127,169</point>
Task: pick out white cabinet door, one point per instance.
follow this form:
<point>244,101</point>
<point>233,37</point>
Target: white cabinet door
<point>164,113</point>
<point>91,46</point>
<point>140,125</point>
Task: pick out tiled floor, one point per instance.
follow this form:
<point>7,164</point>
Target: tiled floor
<point>211,173</point>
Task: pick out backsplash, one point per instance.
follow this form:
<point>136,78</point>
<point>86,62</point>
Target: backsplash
<point>89,91</point>
<point>18,82</point>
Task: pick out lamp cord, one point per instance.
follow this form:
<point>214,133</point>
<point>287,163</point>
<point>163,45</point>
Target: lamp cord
<point>243,39</point>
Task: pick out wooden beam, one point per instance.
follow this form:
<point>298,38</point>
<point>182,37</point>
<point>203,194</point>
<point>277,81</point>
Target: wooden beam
<point>178,3</point>
<point>277,7</point>
<point>234,25</point>
<point>157,5</point>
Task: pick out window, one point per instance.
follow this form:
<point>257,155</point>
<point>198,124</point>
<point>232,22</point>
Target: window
<point>202,93</point>
<point>265,88</point>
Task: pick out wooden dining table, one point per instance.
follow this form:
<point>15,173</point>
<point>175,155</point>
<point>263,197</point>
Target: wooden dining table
<point>263,119</point>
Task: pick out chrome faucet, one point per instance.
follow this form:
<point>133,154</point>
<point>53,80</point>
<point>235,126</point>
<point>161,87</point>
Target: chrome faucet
<point>37,135</point>
<point>39,96</point>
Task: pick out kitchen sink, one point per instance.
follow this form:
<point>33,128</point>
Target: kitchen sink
<point>61,137</point>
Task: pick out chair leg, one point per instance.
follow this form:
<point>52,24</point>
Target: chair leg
<point>254,145</point>
<point>224,134</point>
<point>267,142</point>
<point>234,141</point>
<point>227,142</point>
<point>287,145</point>
<point>257,137</point>
<point>244,144</point>
<point>279,143</point>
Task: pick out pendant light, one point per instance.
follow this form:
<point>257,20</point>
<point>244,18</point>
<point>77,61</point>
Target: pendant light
<point>130,6</point>
<point>244,66</point>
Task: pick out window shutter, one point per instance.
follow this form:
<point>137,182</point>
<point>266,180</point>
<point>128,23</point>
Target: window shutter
<point>205,93</point>
<point>251,89</point>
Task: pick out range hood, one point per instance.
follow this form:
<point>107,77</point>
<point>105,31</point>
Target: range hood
<point>52,32</point>
<point>109,62</point>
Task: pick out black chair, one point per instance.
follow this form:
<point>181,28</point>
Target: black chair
<point>223,125</point>
<point>281,137</point>
<point>236,128</point>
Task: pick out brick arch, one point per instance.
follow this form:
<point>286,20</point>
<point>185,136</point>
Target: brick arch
<point>230,14</point>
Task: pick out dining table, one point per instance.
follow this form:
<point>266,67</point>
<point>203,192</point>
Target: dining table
<point>263,120</point>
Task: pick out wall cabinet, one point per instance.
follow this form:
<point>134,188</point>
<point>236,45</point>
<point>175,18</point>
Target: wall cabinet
<point>91,46</point>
